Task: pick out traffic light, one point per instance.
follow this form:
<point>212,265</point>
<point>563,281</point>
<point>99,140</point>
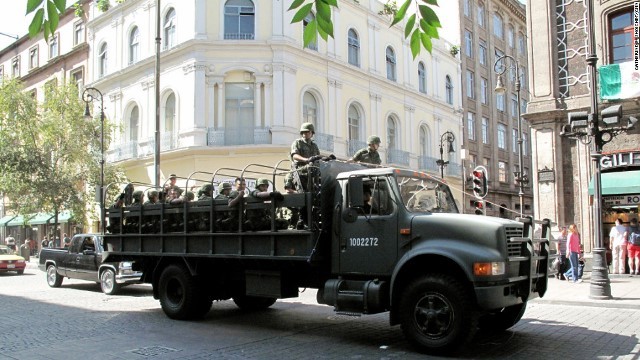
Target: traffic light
<point>480,182</point>
<point>479,207</point>
<point>578,120</point>
<point>611,115</point>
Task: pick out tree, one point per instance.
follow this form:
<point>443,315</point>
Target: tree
<point>49,153</point>
<point>421,26</point>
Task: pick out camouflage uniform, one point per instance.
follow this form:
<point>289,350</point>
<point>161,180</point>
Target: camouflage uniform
<point>305,148</point>
<point>367,155</point>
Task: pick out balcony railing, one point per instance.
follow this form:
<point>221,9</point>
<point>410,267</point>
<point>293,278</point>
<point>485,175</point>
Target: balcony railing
<point>324,141</point>
<point>239,36</point>
<point>400,157</point>
<point>354,146</point>
<point>453,169</point>
<point>238,136</point>
<point>427,163</point>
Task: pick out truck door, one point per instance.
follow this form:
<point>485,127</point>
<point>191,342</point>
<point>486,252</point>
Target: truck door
<point>369,245</point>
<point>68,266</point>
<point>86,260</point>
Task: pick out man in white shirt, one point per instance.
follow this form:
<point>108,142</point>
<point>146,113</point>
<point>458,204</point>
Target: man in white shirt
<point>618,246</point>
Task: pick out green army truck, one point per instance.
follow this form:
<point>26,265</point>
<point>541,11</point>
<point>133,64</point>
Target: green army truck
<point>404,249</point>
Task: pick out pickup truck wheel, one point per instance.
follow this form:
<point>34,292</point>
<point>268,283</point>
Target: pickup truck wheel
<point>436,314</point>
<point>502,320</point>
<point>251,303</point>
<point>180,296</point>
<point>53,278</point>
<point>108,282</point>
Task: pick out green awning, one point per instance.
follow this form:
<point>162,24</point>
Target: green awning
<point>16,221</point>
<point>6,219</point>
<point>39,219</point>
<point>63,217</point>
<point>619,182</point>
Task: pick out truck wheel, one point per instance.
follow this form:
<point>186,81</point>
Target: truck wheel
<point>180,296</point>
<point>53,278</point>
<point>436,314</point>
<point>108,282</point>
<point>251,303</point>
<point>503,319</point>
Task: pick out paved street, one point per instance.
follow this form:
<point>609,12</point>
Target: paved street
<point>77,321</point>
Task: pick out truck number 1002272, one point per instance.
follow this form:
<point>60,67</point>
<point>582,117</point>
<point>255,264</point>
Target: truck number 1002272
<point>363,241</point>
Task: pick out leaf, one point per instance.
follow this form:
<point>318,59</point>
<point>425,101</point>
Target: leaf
<point>295,4</point>
<point>429,15</point>
<point>323,10</point>
<point>52,15</point>
<point>410,23</point>
<point>32,5</point>
<point>432,31</point>
<point>61,5</point>
<point>431,2</point>
<point>401,12</point>
<point>47,32</point>
<point>310,34</point>
<point>36,23</point>
<point>302,13</point>
<point>415,42</point>
<point>325,25</point>
<point>426,42</point>
<point>331,2</point>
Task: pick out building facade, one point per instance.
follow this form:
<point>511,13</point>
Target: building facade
<point>490,29</point>
<point>563,169</point>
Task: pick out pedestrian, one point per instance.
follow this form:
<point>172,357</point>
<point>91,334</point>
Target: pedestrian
<point>633,247</point>
<point>573,250</point>
<point>369,154</point>
<point>11,242</point>
<point>562,253</point>
<point>618,246</point>
<point>45,242</point>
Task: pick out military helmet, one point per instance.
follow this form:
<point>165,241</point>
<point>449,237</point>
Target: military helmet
<point>207,189</point>
<point>373,139</point>
<point>262,181</point>
<point>223,186</point>
<point>307,127</point>
<point>138,194</point>
<point>152,193</point>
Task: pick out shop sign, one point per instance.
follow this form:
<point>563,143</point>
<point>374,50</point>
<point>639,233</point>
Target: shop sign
<point>620,160</point>
<point>632,199</point>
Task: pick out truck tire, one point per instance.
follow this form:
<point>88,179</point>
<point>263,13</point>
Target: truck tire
<point>436,314</point>
<point>53,278</point>
<point>503,319</point>
<point>108,282</point>
<point>252,303</point>
<point>180,296</point>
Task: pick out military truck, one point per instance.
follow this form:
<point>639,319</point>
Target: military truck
<point>404,249</point>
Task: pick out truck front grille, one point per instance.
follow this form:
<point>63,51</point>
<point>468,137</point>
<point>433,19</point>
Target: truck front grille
<point>513,249</point>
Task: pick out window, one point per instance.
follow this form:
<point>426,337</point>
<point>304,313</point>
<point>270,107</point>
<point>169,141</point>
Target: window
<point>502,171</point>
<point>510,36</point>
<point>102,60</point>
<point>391,133</point>
<point>448,90</point>
<point>422,78</point>
<point>15,66</point>
<point>514,105</point>
<point>500,101</point>
<point>485,162</point>
<point>310,109</point>
<point>134,45</point>
<point>77,78</point>
<point>470,84</point>
<point>33,57</point>
<point>497,26</point>
<point>525,144</point>
<point>467,8</point>
<point>481,14</point>
<point>354,123</point>
<point>482,52</point>
<point>523,77</point>
<point>50,86</point>
<point>512,73</point>
<point>473,160</point>
<point>522,46</point>
<point>425,145</point>
<point>523,106</point>
<point>53,47</point>
<point>498,54</point>
<point>391,64</point>
<point>239,20</point>
<point>170,29</point>
<point>468,43</point>
<point>313,45</point>
<point>354,48</point>
<point>484,90</point>
<point>240,113</point>
<point>471,126</point>
<point>133,124</point>
<point>621,36</point>
<point>78,33</point>
<point>1,74</point>
<point>502,136</point>
<point>485,130</point>
<point>514,140</point>
<point>170,113</point>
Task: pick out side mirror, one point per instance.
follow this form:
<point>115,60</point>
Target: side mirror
<point>355,200</point>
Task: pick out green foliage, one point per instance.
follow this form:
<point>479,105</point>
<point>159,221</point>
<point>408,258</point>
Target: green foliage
<point>78,10</point>
<point>48,25</point>
<point>103,5</point>
<point>389,8</point>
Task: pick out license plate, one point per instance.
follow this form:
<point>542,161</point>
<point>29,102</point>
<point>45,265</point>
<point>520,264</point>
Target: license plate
<point>11,266</point>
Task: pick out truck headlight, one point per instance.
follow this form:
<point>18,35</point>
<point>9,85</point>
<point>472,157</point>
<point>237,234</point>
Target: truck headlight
<point>488,268</point>
<point>126,265</point>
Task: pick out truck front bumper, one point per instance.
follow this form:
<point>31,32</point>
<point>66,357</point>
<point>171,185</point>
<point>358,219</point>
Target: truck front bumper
<point>498,296</point>
<point>132,278</point>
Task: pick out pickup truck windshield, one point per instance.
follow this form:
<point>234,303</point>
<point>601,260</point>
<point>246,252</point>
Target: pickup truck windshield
<point>426,195</point>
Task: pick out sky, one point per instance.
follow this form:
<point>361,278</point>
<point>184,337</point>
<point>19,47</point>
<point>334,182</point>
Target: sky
<point>13,21</point>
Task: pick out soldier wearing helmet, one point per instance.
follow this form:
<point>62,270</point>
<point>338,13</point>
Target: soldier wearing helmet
<point>152,198</point>
<point>224,189</point>
<point>206,192</point>
<point>369,154</point>
<point>260,219</point>
<point>303,151</point>
<point>137,198</point>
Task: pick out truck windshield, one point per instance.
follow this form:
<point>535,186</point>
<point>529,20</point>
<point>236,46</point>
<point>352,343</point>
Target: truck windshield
<point>426,195</point>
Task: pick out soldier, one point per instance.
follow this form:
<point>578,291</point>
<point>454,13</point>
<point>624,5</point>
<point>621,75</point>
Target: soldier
<point>241,186</point>
<point>133,220</point>
<point>206,192</point>
<point>227,220</point>
<point>260,219</point>
<point>152,198</point>
<point>224,189</point>
<point>137,198</point>
<point>369,154</point>
<point>303,152</point>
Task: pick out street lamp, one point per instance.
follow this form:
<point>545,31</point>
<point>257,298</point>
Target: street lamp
<point>500,68</point>
<point>88,95</point>
<point>449,138</point>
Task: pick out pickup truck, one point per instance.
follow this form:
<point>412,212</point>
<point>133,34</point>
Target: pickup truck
<point>83,260</point>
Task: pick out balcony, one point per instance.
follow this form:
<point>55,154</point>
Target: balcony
<point>354,145</point>
<point>125,151</point>
<point>399,157</point>
<point>453,169</point>
<point>239,36</point>
<point>428,163</point>
<point>324,141</point>
<point>238,136</point>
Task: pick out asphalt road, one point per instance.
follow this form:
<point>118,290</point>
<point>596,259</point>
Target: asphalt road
<point>77,321</point>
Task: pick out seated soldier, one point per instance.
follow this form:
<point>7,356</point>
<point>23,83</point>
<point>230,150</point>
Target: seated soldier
<point>227,220</point>
<point>260,219</point>
<point>151,223</point>
<point>206,192</point>
<point>366,197</point>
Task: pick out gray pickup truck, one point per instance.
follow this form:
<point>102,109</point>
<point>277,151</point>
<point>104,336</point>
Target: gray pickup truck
<point>83,260</point>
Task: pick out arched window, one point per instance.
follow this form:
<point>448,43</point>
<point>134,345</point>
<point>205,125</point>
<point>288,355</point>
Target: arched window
<point>621,36</point>
<point>313,45</point>
<point>392,133</point>
<point>391,64</point>
<point>170,29</point>
<point>239,113</point>
<point>134,45</point>
<point>170,113</point>
<point>422,77</point>
<point>354,48</point>
<point>239,20</point>
<point>498,27</point>
<point>310,109</point>
<point>133,123</point>
<point>425,143</point>
<point>510,36</point>
<point>354,123</point>
<point>449,90</point>
<point>102,60</point>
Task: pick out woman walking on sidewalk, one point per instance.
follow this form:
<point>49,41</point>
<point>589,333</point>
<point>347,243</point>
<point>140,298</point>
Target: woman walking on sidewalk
<point>573,250</point>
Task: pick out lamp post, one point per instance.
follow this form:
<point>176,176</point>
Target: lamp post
<point>500,68</point>
<point>449,138</point>
<point>88,95</point>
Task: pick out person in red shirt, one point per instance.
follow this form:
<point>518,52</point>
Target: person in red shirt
<point>573,250</point>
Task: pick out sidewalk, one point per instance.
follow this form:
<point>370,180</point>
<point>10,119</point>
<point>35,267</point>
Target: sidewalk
<point>625,292</point>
